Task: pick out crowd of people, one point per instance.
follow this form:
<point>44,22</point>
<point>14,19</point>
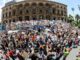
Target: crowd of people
<point>49,43</point>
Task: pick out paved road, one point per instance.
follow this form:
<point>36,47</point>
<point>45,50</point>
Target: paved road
<point>73,54</point>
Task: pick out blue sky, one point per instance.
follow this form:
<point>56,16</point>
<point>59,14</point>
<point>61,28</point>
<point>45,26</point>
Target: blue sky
<point>69,3</point>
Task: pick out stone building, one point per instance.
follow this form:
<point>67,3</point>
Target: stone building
<point>33,10</point>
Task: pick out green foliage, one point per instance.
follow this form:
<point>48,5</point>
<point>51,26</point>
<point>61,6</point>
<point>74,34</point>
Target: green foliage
<point>78,24</point>
<point>70,19</point>
<point>73,22</point>
<point>77,17</point>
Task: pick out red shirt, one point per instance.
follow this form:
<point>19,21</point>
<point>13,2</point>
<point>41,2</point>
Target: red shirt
<point>10,53</point>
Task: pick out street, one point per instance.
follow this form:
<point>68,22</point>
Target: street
<point>72,56</point>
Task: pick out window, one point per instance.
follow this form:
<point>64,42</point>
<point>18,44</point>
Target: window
<point>40,4</point>
<point>61,7</point>
<point>48,10</point>
<point>41,17</point>
<point>61,12</point>
<point>53,10</point>
<point>34,4</point>
<point>27,4</point>
<point>9,14</point>
<point>14,12</point>
<point>47,4</point>
<point>20,18</point>
<point>40,11</point>
<point>20,6</point>
<point>34,10</point>
<point>26,17</point>
<point>48,17</point>
<point>20,12</point>
<point>27,11</point>
<point>5,14</point>
<point>58,12</point>
<point>9,21</point>
<point>13,20</point>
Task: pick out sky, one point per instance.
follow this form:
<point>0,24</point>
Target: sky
<point>70,4</point>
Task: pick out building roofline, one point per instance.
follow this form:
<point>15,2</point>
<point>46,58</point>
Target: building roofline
<point>58,3</point>
<point>31,1</point>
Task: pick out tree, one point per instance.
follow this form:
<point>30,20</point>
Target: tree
<point>77,17</point>
<point>70,18</point>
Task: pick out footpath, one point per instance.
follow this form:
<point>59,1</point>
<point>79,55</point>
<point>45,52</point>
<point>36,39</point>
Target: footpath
<point>72,55</point>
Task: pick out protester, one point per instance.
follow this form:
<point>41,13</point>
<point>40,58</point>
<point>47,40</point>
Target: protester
<point>39,44</point>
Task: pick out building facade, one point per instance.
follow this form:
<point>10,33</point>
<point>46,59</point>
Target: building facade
<point>33,10</point>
